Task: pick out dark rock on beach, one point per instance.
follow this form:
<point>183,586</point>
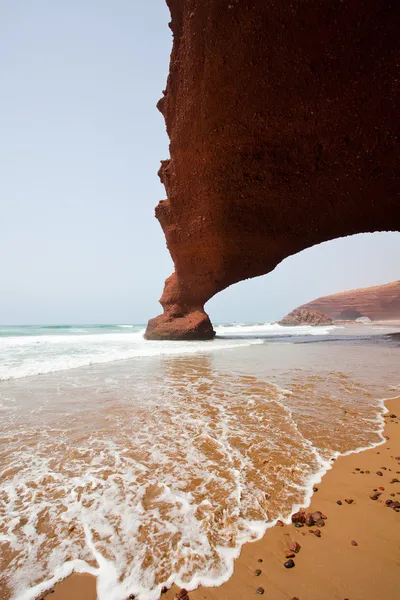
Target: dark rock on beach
<point>289,564</point>
<point>295,547</point>
<point>299,517</point>
<point>375,495</point>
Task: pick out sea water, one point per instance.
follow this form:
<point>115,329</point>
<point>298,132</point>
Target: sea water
<point>147,463</point>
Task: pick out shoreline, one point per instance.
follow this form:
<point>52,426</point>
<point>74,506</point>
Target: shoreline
<point>328,566</point>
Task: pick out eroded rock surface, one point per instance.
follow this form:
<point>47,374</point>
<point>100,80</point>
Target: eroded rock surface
<point>283,124</point>
<point>381,302</point>
<point>303,316</point>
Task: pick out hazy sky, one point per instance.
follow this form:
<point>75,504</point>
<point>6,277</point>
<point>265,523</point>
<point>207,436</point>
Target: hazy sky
<point>80,146</point>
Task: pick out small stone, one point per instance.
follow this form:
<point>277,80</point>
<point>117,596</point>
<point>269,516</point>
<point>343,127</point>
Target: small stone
<point>392,416</point>
<point>182,595</point>
<point>389,502</point>
<point>289,564</point>
<point>317,533</point>
<point>260,560</point>
<point>295,547</point>
<point>289,555</point>
<point>315,489</point>
<point>393,494</point>
<point>299,517</point>
<point>383,468</point>
<point>259,590</point>
<point>320,523</point>
<point>280,523</point>
<point>353,543</point>
<point>257,572</point>
<point>339,502</point>
<point>381,488</point>
<point>367,472</point>
<point>375,495</point>
<point>349,500</point>
<point>362,472</point>
<point>164,589</point>
<point>131,596</point>
<point>395,505</point>
<point>357,469</point>
<point>309,520</point>
<point>379,473</point>
<point>295,598</point>
<point>394,480</point>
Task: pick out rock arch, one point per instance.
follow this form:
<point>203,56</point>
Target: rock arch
<point>283,123</point>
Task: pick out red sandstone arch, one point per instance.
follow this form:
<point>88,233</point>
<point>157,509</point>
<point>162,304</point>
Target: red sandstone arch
<point>283,123</point>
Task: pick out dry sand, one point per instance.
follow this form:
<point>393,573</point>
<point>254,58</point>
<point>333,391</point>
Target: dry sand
<point>329,567</point>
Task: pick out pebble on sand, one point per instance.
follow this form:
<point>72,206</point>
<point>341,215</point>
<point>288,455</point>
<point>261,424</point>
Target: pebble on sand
<point>299,517</point>
<point>339,502</point>
<point>317,533</point>
<point>289,564</point>
<point>353,543</point>
<point>375,495</point>
<point>349,500</point>
<point>257,572</point>
<point>295,547</point>
<point>260,590</point>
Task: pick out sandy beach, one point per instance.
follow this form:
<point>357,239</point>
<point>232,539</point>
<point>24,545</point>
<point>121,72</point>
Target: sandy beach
<point>357,555</point>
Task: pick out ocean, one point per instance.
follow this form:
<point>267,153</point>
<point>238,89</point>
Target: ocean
<point>146,463</point>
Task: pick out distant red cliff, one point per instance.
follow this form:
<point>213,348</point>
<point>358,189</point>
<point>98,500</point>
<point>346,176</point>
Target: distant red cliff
<point>379,303</point>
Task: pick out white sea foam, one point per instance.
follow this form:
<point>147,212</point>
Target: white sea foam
<point>39,352</point>
<point>270,329</point>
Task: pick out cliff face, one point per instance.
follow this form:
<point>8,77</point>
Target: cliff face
<point>379,303</point>
<point>283,124</point>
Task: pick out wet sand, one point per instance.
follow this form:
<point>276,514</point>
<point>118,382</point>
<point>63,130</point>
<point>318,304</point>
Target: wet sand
<point>325,567</point>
